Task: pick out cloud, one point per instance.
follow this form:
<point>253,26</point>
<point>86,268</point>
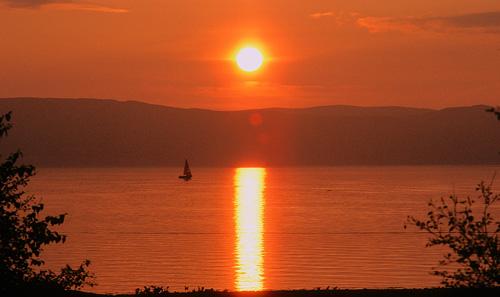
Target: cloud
<point>486,22</point>
<point>322,14</point>
<point>89,7</point>
<point>339,17</point>
<point>58,5</point>
<point>31,3</point>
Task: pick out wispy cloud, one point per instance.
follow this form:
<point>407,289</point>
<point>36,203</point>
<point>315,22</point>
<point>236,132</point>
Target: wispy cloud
<point>58,5</point>
<point>487,22</point>
<point>339,17</point>
<point>31,3</point>
<point>322,14</point>
<point>63,6</point>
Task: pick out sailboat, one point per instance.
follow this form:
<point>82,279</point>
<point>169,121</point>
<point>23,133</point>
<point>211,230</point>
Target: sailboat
<point>187,171</point>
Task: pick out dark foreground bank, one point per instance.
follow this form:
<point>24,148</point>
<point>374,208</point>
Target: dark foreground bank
<point>437,292</point>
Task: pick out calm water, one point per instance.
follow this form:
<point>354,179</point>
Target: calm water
<point>250,229</point>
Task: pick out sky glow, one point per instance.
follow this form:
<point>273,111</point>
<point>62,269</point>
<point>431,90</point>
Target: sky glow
<point>182,53</point>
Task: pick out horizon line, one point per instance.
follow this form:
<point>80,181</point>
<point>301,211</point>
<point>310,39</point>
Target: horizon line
<point>246,109</point>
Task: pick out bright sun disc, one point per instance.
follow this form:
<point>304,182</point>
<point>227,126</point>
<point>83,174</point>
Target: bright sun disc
<point>249,59</point>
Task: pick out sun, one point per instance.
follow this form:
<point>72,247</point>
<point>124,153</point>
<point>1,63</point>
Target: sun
<point>249,59</point>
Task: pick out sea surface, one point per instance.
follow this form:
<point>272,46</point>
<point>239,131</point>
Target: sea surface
<point>250,228</point>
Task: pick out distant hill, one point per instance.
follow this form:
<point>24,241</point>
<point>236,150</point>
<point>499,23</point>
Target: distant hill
<point>90,132</point>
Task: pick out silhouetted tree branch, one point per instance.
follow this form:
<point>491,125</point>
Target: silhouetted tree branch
<point>24,232</point>
<point>468,229</point>
<point>495,111</point>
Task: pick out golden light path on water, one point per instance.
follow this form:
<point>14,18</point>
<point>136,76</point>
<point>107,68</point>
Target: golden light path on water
<point>249,184</point>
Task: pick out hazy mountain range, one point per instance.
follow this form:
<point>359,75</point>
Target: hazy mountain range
<point>91,132</point>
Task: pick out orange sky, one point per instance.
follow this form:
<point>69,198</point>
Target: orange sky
<point>425,53</point>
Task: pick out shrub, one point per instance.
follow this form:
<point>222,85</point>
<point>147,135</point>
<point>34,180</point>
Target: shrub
<point>24,232</point>
<point>468,229</point>
<point>152,290</point>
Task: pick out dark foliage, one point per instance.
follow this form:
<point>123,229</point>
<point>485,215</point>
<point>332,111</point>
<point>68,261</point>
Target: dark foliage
<point>24,232</point>
<point>468,229</point>
<point>495,111</point>
<point>152,290</point>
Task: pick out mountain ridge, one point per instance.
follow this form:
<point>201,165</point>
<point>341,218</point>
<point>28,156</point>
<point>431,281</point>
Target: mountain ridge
<point>81,132</point>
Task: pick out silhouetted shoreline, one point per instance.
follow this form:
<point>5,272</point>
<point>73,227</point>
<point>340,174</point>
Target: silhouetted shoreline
<point>433,292</point>
<point>317,136</point>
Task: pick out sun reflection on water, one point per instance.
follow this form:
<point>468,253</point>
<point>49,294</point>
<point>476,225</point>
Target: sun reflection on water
<point>249,184</point>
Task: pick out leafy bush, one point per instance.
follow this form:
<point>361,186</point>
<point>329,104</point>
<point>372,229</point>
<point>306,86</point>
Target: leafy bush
<point>471,233</point>
<point>152,290</point>
<point>495,111</point>
<point>24,232</point>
